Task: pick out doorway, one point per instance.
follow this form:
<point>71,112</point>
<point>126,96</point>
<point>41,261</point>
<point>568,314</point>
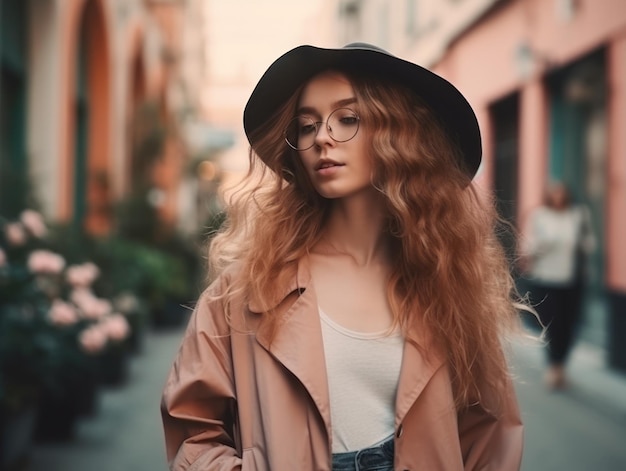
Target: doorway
<point>578,153</point>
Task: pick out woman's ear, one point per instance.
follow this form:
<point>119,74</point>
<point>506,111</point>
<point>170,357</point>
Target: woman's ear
<point>287,175</point>
<point>288,169</point>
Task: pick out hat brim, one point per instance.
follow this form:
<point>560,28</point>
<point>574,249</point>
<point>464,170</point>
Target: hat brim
<point>298,65</point>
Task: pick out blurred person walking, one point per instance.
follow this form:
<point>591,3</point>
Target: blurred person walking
<point>557,242</point>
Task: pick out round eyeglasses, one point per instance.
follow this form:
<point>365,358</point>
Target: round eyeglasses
<point>342,125</point>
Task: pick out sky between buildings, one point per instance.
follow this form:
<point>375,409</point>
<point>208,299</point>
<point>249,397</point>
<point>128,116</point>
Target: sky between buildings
<point>243,38</point>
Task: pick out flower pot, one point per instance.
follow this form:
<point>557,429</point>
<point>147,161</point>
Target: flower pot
<point>87,395</point>
<point>16,436</point>
<point>57,418</point>
<point>114,366</point>
<point>135,341</point>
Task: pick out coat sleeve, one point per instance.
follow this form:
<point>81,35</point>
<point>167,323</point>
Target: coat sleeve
<point>490,441</point>
<point>198,406</point>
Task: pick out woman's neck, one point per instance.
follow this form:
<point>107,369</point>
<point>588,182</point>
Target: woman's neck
<point>355,229</point>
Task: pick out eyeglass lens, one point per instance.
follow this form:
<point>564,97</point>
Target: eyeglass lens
<point>342,125</point>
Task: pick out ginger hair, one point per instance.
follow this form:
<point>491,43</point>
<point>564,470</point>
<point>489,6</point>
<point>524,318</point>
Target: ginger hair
<point>449,276</point>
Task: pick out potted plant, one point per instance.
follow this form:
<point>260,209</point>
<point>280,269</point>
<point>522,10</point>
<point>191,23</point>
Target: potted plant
<point>28,343</point>
<point>53,332</point>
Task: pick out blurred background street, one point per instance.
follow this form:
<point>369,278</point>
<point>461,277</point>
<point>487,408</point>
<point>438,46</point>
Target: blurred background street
<point>121,136</point>
<point>580,429</point>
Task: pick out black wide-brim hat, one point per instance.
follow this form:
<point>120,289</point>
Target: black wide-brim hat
<point>281,80</point>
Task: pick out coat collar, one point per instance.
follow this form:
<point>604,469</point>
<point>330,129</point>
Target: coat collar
<point>297,343</point>
<point>295,277</point>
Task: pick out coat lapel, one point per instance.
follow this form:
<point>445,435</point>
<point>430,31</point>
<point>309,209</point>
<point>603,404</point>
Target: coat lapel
<point>415,373</point>
<point>297,342</point>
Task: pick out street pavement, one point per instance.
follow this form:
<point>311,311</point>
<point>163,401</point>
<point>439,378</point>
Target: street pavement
<point>580,429</point>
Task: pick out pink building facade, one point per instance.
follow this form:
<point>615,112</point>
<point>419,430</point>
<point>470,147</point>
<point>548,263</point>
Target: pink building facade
<point>547,79</point>
<point>549,87</point>
<point>81,76</point>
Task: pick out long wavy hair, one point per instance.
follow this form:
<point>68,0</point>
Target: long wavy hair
<point>449,275</point>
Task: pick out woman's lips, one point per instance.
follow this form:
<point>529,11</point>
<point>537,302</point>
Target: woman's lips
<point>327,168</point>
<point>326,163</point>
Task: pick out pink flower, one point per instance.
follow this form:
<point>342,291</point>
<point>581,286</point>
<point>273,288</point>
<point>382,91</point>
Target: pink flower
<point>82,275</point>
<point>98,308</point>
<point>93,339</point>
<point>3,258</point>
<point>45,262</point>
<point>91,306</point>
<point>34,223</point>
<point>62,313</point>
<point>16,235</point>
<point>116,326</point>
<point>80,296</point>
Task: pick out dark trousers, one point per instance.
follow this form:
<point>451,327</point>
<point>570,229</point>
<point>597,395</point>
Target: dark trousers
<point>559,309</point>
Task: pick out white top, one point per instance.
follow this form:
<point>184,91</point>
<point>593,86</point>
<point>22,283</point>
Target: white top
<point>363,371</point>
<point>552,240</point>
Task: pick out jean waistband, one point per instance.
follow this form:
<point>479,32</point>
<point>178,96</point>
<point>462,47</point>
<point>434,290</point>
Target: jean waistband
<point>377,457</point>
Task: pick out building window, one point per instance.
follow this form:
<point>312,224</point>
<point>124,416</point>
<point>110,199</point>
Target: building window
<point>350,15</point>
<point>411,17</point>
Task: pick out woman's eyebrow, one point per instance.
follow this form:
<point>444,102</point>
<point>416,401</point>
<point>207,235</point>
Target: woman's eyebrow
<point>335,105</point>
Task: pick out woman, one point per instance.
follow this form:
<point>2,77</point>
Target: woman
<point>558,240</point>
<point>360,293</point>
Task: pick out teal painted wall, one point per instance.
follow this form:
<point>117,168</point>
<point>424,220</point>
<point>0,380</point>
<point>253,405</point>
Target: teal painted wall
<point>15,187</point>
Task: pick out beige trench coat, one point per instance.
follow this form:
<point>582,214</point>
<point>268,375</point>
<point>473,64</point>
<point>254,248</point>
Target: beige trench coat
<point>232,401</point>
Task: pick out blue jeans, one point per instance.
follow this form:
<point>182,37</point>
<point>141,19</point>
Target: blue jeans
<point>376,458</point>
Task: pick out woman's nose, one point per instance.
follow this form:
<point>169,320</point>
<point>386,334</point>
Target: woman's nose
<point>322,136</point>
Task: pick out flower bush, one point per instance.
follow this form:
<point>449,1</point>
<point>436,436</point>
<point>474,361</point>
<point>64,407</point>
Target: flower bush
<point>52,323</point>
<point>28,344</point>
<point>139,278</point>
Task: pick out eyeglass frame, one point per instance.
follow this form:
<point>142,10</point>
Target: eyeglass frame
<point>318,127</point>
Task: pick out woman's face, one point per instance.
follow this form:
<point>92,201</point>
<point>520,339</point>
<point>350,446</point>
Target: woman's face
<point>336,169</point>
<point>558,196</point>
